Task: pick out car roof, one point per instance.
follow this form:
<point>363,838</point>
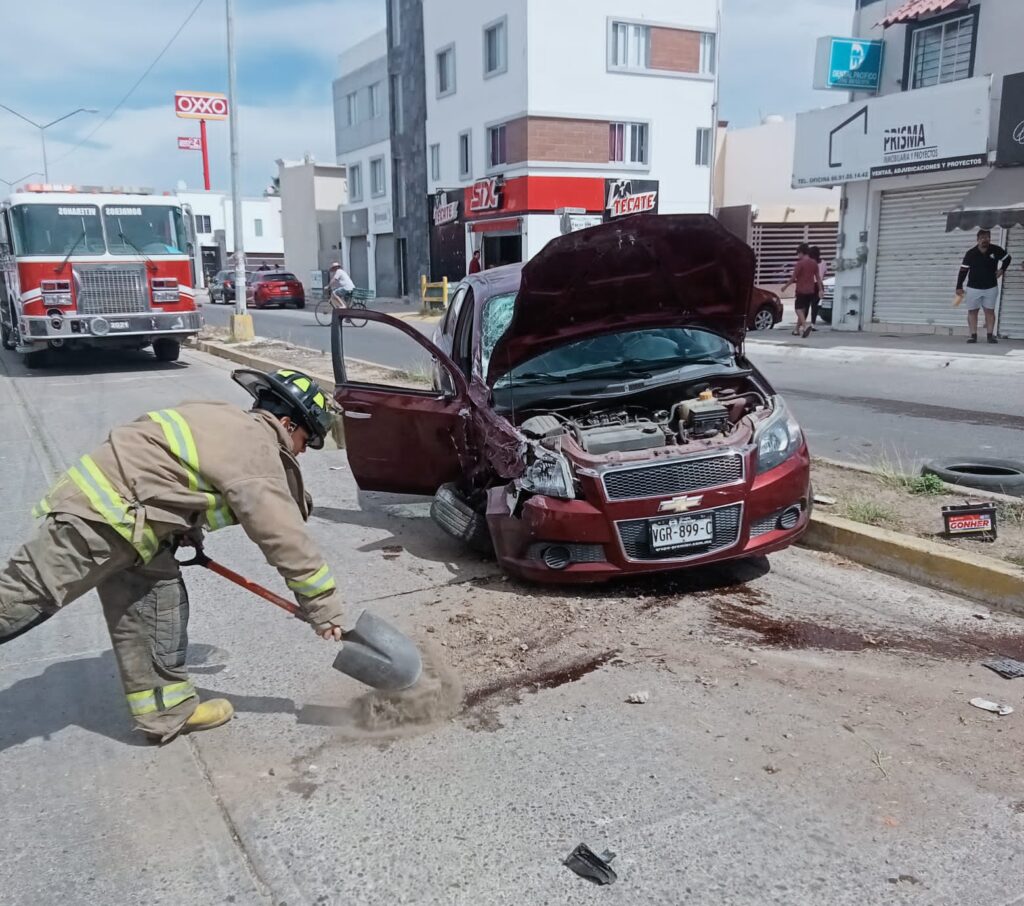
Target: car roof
<point>495,281</point>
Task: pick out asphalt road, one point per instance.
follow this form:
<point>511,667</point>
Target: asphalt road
<point>858,411</point>
<point>807,737</point>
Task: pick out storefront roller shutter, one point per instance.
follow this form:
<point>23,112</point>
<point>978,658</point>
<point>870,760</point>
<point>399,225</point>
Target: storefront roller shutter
<point>775,246</point>
<point>1011,310</point>
<point>917,260</point>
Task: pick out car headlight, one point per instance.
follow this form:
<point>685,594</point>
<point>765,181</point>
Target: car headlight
<point>777,439</point>
<point>549,474</point>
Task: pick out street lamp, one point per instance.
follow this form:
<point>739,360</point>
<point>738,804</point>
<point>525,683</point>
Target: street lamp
<point>11,183</point>
<point>42,127</point>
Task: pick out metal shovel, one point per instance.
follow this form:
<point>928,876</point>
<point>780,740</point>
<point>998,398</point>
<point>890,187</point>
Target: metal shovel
<point>374,652</point>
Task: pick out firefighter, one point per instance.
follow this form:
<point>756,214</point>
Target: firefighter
<point>113,521</point>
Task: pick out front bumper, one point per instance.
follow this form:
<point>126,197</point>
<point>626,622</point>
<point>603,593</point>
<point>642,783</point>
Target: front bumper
<point>607,540</point>
<point>38,330</point>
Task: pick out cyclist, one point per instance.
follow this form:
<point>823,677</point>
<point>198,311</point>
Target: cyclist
<point>341,285</point>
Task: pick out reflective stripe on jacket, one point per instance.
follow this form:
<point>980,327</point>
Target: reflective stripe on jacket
<point>204,465</point>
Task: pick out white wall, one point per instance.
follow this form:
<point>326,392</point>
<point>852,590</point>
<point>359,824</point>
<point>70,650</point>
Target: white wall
<point>311,194</point>
<point>569,74</point>
<point>756,168</point>
<point>476,100</point>
<point>362,158</point>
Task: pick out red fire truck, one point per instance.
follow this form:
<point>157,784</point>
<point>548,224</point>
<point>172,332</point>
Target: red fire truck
<point>87,267</point>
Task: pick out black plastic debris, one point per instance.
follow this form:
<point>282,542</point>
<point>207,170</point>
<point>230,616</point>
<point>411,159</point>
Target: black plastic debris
<point>588,864</point>
<point>1006,667</point>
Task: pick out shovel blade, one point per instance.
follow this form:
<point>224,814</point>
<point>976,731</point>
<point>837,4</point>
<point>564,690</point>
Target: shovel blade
<point>377,654</point>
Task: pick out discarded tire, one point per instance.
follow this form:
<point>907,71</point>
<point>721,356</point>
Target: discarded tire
<point>460,520</point>
<point>1004,476</point>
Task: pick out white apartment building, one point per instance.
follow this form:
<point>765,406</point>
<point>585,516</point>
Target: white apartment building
<point>545,116</point>
<point>935,154</point>
<point>215,231</point>
<point>363,148</point>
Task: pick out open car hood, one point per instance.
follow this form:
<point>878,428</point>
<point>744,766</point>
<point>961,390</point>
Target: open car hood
<point>648,270</point>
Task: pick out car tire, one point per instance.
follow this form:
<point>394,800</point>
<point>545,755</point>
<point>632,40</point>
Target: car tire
<point>764,318</point>
<point>300,305</point>
<point>826,315</point>
<point>166,350</point>
<point>39,358</point>
<point>1004,476</point>
<point>7,337</point>
<point>455,516</point>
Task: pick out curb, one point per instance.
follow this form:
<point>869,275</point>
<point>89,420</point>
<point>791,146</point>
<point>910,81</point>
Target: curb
<point>976,576</point>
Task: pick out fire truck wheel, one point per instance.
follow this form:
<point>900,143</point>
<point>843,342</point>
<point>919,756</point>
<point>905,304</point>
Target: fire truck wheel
<point>38,359</point>
<point>7,336</point>
<point>166,350</point>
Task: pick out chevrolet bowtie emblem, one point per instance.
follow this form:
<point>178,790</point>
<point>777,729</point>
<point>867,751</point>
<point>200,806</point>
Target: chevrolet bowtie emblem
<point>679,504</point>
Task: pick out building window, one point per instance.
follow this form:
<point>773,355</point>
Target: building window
<point>942,53</point>
<point>630,46</point>
<point>707,53</point>
<point>465,155</point>
<point>203,224</point>
<point>446,71</point>
<point>396,22</point>
<point>435,162</point>
<point>396,103</point>
<point>257,226</point>
<point>376,100</point>
<point>355,183</point>
<point>378,186</point>
<point>496,48</point>
<point>351,109</point>
<point>398,175</point>
<point>497,152</point>
<point>703,155</point>
<point>627,143</point>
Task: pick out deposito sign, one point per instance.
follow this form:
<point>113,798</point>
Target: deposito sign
<point>200,105</point>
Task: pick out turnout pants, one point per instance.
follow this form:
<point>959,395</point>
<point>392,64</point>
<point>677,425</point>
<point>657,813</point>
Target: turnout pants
<point>145,605</point>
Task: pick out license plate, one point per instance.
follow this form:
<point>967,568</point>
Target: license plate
<point>682,532</point>
<point>118,325</point>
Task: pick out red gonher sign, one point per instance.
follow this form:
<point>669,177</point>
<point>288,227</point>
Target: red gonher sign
<point>190,143</point>
<point>200,105</point>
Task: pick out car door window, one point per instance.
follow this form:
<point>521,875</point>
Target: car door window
<point>462,347</point>
<point>451,317</point>
<point>497,316</point>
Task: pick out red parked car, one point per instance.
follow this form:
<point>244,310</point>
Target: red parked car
<point>765,309</point>
<point>278,288</point>
<point>593,414</point>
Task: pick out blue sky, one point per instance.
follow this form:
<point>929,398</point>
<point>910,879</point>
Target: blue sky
<point>60,55</point>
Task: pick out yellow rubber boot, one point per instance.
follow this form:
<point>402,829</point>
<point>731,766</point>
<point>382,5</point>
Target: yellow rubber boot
<point>214,713</point>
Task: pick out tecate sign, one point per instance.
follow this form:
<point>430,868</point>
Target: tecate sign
<point>189,143</point>
<point>630,196</point>
<point>200,105</point>
<point>445,211</point>
<point>922,131</point>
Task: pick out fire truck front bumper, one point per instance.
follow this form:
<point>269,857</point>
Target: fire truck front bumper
<point>134,328</point>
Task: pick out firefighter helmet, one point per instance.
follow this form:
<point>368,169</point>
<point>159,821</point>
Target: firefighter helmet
<point>309,406</point>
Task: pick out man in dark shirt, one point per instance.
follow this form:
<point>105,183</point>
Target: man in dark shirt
<point>983,266</point>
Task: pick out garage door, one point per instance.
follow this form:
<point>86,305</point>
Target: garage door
<point>917,260</point>
<point>359,269</point>
<point>1011,310</point>
<point>775,244</point>
<point>387,275</point>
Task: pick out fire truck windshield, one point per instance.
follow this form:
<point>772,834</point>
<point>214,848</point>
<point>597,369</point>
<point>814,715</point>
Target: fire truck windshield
<point>150,229</point>
<point>56,229</point>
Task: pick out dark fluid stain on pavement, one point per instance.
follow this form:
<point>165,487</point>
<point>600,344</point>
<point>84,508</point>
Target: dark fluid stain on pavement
<point>915,410</point>
<point>303,787</point>
<point>781,632</point>
<point>534,681</point>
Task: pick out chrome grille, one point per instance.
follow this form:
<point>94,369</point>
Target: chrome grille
<point>111,289</point>
<point>636,538</point>
<point>676,477</point>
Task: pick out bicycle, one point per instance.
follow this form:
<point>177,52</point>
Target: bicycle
<point>355,300</point>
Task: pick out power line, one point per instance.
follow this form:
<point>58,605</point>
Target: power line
<point>140,80</point>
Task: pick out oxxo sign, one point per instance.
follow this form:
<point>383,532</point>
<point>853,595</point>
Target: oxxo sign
<point>200,105</point>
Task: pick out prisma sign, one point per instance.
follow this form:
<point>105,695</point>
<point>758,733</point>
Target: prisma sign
<point>200,105</point>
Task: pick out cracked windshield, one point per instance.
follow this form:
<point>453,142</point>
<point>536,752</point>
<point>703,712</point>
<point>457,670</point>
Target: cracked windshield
<point>420,489</point>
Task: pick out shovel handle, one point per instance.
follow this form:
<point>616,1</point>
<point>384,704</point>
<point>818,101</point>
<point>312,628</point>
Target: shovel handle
<point>264,593</point>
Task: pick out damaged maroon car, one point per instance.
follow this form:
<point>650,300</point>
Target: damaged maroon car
<point>592,413</point>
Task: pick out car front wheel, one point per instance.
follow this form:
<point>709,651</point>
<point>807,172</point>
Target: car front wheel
<point>764,319</point>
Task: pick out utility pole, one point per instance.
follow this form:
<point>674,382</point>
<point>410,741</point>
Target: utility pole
<point>241,321</point>
<point>714,111</point>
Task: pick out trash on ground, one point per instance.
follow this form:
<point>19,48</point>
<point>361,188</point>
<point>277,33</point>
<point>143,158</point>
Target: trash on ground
<point>639,698</point>
<point>970,520</point>
<point>994,707</point>
<point>392,551</point>
<point>1006,667</point>
<point>588,864</point>
<point>824,500</point>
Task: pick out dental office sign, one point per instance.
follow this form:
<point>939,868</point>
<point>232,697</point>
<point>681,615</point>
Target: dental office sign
<point>848,64</point>
<point>924,131</point>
